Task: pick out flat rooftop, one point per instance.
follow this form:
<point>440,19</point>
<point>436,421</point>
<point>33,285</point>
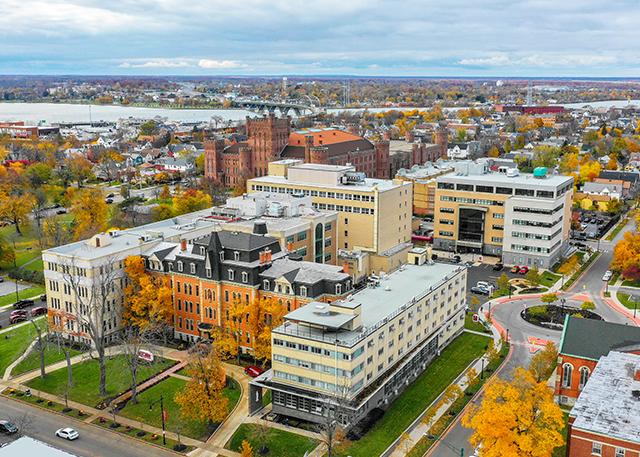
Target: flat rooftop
<point>366,186</point>
<point>376,303</point>
<point>607,405</point>
<point>502,179</point>
<point>126,239</point>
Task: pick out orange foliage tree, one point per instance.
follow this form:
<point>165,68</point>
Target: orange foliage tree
<point>517,417</point>
<point>90,212</point>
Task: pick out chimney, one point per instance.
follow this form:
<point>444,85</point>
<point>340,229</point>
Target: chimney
<point>636,375</point>
<point>289,247</point>
<point>183,245</point>
<point>267,256</point>
<point>345,267</point>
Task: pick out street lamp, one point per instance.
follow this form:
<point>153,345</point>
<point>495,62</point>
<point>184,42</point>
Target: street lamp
<point>507,339</point>
<point>562,302</point>
<point>151,405</point>
<point>635,305</point>
<point>17,294</point>
<point>482,368</point>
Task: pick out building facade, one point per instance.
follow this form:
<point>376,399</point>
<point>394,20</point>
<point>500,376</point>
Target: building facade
<point>523,218</point>
<point>584,342</point>
<point>359,353</point>
<point>213,273</point>
<point>374,215</point>
<point>604,421</point>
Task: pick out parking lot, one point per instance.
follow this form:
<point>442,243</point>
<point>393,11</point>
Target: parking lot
<point>484,273</point>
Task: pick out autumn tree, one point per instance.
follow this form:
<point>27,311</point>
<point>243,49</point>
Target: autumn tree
<point>90,212</point>
<point>7,255</point>
<point>493,152</point>
<point>148,299</point>
<point>202,397</point>
<point>190,200</point>
<point>626,255</point>
<point>227,338</point>
<point>245,450</point>
<point>549,298</point>
<point>543,364</point>
<point>533,276</point>
<point>165,194</point>
<point>517,417</point>
<point>588,305</point>
<point>15,207</point>
<point>79,167</point>
<point>589,171</point>
<point>503,283</point>
<point>569,265</point>
<point>264,316</point>
<point>161,212</point>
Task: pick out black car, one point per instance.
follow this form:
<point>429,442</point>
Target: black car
<point>110,196</point>
<point>498,267</point>
<point>456,259</point>
<point>23,304</point>
<point>108,201</point>
<point>61,211</point>
<point>7,427</point>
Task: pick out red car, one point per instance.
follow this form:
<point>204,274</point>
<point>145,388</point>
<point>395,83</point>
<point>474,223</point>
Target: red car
<point>17,318</point>
<point>18,312</point>
<point>524,270</point>
<point>253,371</point>
<point>515,269</point>
<point>38,311</point>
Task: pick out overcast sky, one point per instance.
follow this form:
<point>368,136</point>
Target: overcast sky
<point>357,37</point>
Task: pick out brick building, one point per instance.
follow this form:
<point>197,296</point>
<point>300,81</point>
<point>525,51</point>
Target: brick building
<point>605,421</point>
<point>270,139</point>
<point>583,343</point>
<point>222,268</point>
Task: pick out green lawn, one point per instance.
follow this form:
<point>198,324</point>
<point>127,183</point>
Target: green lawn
<point>86,378</point>
<point>14,343</point>
<point>279,442</point>
<point>25,293</point>
<point>168,389</point>
<point>32,361</point>
<point>548,279</point>
<point>420,394</point>
<point>626,300</point>
<point>630,283</point>
<point>618,229</point>
<point>475,326</point>
<point>562,450</point>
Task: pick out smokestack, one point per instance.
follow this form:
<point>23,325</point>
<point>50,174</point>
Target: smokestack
<point>183,245</point>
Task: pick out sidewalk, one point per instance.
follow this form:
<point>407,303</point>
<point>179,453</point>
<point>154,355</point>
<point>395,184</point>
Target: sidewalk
<point>613,302</point>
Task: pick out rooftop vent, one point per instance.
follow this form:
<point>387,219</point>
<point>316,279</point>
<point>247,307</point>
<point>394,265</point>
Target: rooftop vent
<point>635,394</point>
<point>540,172</point>
<point>513,172</point>
<point>322,310</point>
<point>260,228</point>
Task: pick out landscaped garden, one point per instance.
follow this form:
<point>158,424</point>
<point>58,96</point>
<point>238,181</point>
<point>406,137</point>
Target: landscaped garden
<point>552,316</point>
<point>86,378</point>
<point>176,422</point>
<point>278,443</point>
<point>421,393</point>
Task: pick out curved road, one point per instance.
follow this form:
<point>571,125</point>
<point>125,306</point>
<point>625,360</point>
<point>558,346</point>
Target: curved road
<point>588,287</point>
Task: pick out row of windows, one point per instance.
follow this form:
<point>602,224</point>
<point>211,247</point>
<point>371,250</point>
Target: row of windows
<point>318,366</point>
<point>536,223</point>
<point>535,249</point>
<point>567,374</point>
<point>343,208</point>
<point>499,190</point>
<point>314,193</point>
<point>536,236</point>
<point>538,210</point>
<point>476,201</point>
<point>318,351</point>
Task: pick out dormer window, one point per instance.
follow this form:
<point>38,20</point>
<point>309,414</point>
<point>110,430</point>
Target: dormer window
<point>303,291</point>
<point>208,272</point>
<point>192,268</point>
<point>236,255</point>
<point>222,256</point>
<point>338,289</point>
<point>265,284</point>
<point>202,250</point>
<point>231,274</point>
<point>180,265</point>
<point>245,277</point>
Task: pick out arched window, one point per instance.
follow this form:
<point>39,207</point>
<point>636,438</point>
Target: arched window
<point>567,372</point>
<point>584,376</point>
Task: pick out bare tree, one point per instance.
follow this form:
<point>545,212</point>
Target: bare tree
<point>335,411</point>
<point>132,340</point>
<point>95,307</point>
<point>56,331</point>
<point>41,345</point>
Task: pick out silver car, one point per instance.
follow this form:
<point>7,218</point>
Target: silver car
<point>67,433</point>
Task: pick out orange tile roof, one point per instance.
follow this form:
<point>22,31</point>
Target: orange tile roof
<point>321,137</point>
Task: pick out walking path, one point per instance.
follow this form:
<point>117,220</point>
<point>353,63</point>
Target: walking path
<point>7,371</point>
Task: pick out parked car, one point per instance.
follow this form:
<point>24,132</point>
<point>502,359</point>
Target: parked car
<point>67,433</point>
<point>1,279</point>
<point>515,269</point>
<point>110,195</point>
<point>108,201</point>
<point>43,297</point>
<point>18,312</point>
<point>253,371</point>
<point>498,267</point>
<point>18,318</point>
<point>480,290</point>
<point>456,259</point>
<point>484,284</point>
<point>523,270</point>
<point>38,311</point>
<point>607,275</point>
<point>20,304</point>
<point>7,427</point>
<point>61,211</point>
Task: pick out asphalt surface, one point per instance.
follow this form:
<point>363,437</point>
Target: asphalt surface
<point>5,314</point>
<point>508,315</point>
<point>93,441</point>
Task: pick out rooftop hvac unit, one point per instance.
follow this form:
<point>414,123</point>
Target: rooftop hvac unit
<point>353,177</point>
<point>275,209</point>
<point>513,172</point>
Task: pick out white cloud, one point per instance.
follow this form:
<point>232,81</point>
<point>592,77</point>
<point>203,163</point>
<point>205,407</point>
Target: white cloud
<point>540,60</point>
<point>220,64</point>
<point>156,63</point>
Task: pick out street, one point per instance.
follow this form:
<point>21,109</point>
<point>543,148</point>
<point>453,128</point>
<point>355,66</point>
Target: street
<point>93,441</point>
<point>456,441</point>
<point>6,313</point>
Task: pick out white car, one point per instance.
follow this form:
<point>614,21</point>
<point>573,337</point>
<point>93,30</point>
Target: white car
<point>484,285</point>
<point>607,275</point>
<point>67,433</point>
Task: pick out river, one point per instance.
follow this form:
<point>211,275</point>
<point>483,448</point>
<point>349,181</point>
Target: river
<point>52,113</point>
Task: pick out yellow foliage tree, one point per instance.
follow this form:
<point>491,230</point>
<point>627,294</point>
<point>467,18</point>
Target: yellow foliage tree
<point>568,266</point>
<point>202,397</point>
<point>147,299</point>
<point>543,364</point>
<point>246,450</point>
<point>626,254</point>
<point>90,212</point>
<point>517,417</point>
<point>190,200</point>
<point>589,171</point>
<point>264,316</point>
<point>493,152</point>
<point>15,208</point>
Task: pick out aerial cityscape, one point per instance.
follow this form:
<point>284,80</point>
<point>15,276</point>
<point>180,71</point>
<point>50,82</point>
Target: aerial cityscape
<point>267,229</point>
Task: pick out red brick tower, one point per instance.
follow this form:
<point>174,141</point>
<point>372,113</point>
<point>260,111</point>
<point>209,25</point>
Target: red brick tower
<point>382,159</point>
<point>308,145</point>
<point>267,137</point>
<point>212,158</point>
<point>441,138</point>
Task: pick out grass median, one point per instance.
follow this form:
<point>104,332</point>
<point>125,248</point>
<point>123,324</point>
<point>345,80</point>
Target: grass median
<point>279,443</point>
